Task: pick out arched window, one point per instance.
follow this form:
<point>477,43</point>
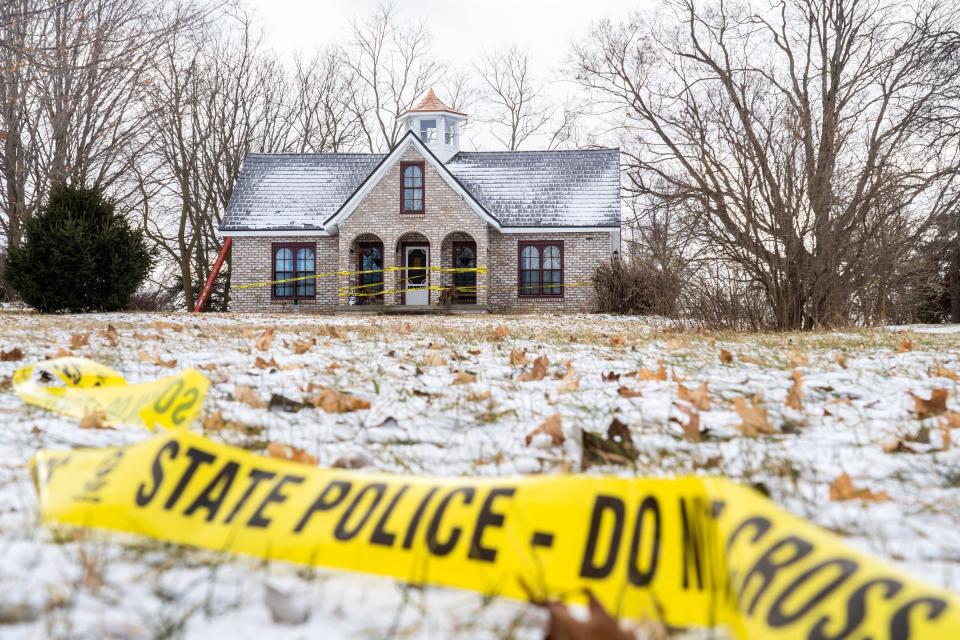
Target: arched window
<point>411,189</point>
<point>541,268</point>
<point>294,263</point>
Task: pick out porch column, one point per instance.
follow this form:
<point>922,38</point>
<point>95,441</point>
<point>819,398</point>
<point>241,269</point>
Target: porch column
<point>436,278</point>
<point>391,277</point>
<point>483,278</point>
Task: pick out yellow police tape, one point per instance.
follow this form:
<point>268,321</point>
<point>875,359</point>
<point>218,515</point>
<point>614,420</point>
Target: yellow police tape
<point>692,552</point>
<point>331,274</point>
<point>77,387</point>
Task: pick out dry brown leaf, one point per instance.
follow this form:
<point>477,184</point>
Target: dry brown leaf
<point>538,372</point>
<point>11,355</point>
<point>291,453</point>
<point>473,396</point>
<point>726,357</point>
<point>600,625</point>
<point>691,428</point>
<point>610,377</point>
<point>797,358</point>
<point>153,358</point>
<point>248,396</point>
<point>78,340</point>
<point>842,489</point>
<point>905,345</point>
<point>754,417</point>
<point>840,359</point>
<point>898,446</point>
<point>433,358</point>
<point>952,419</point>
<point>627,392</point>
<point>569,382</point>
<point>935,406</point>
<point>939,371</point>
<point>260,363</point>
<point>110,333</point>
<point>518,357</point>
<point>646,374</point>
<point>265,340</point>
<point>500,332</point>
<point>618,340</point>
<point>331,331</point>
<point>699,397</point>
<point>462,377</point>
<point>300,347</point>
<point>335,402</point>
<point>94,420</point>
<point>551,427</point>
<point>63,353</point>
<point>748,359</point>
<point>795,394</point>
<point>616,448</point>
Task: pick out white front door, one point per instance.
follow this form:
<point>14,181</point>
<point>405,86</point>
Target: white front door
<point>417,261</point>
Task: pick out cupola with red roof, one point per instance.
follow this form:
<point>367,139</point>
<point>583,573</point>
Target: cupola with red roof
<point>436,124</point>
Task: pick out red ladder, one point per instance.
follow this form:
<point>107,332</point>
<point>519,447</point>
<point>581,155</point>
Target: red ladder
<point>214,272</point>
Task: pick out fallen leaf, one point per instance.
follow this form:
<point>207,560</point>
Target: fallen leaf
<point>754,417</point>
<point>94,420</point>
<point>288,452</point>
<point>155,359</point>
<point>935,406</point>
<point>518,357</point>
<point>248,396</point>
<point>726,357</point>
<point>78,340</point>
<point>433,358</point>
<point>905,345</point>
<point>335,402</point>
<point>797,358</point>
<point>331,331</point>
<point>842,489</point>
<point>538,372</point>
<point>748,359</point>
<point>616,448</point>
<point>110,333</point>
<point>551,427</point>
<point>462,377</point>
<point>300,347</point>
<point>260,363</point>
<point>898,446</point>
<point>473,396</point>
<point>840,359</point>
<point>569,382</point>
<point>795,394</point>
<point>627,392</point>
<point>281,403</point>
<point>610,377</point>
<point>500,332</point>
<point>646,374</point>
<point>265,340</point>
<point>11,355</point>
<point>939,371</point>
<point>618,340</point>
<point>599,625</point>
<point>699,397</point>
<point>691,428</point>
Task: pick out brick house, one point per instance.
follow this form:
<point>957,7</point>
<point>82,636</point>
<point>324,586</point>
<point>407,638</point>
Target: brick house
<point>408,227</point>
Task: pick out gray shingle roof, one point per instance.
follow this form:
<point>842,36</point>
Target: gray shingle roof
<point>519,188</point>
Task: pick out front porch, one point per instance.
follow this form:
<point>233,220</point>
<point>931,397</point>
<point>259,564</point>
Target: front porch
<point>416,309</point>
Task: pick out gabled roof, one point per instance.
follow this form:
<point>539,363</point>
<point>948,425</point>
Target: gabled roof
<point>432,104</point>
<point>520,189</point>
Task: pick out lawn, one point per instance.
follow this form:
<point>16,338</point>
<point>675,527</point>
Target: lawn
<point>476,395</point>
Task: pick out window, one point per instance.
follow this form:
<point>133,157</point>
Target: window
<point>294,263</point>
<point>428,130</point>
<point>411,189</point>
<point>541,268</point>
<point>451,133</point>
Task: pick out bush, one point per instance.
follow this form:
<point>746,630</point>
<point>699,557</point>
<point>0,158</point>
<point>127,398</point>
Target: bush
<point>78,255</point>
<point>632,285</point>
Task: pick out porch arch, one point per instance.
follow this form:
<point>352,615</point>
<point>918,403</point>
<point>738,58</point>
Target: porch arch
<point>460,249</point>
<point>367,256</point>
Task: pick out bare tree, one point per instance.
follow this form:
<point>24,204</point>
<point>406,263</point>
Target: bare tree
<point>803,141</point>
<point>517,107</point>
<point>392,64</point>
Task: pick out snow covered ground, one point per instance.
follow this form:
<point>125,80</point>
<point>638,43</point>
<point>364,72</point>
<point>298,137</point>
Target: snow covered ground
<point>852,412</point>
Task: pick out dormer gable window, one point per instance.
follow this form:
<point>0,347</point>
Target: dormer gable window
<point>428,129</point>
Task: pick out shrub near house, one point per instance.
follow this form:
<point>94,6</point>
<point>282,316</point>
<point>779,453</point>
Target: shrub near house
<point>426,224</point>
<point>78,255</point>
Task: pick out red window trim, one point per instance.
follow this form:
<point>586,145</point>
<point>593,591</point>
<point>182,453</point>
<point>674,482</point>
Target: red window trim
<point>539,244</point>
<point>276,246</point>
<point>423,189</point>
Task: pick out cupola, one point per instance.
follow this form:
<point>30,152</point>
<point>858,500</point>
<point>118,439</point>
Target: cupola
<point>436,124</point>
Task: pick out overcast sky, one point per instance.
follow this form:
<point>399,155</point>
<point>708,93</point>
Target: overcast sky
<point>461,29</point>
